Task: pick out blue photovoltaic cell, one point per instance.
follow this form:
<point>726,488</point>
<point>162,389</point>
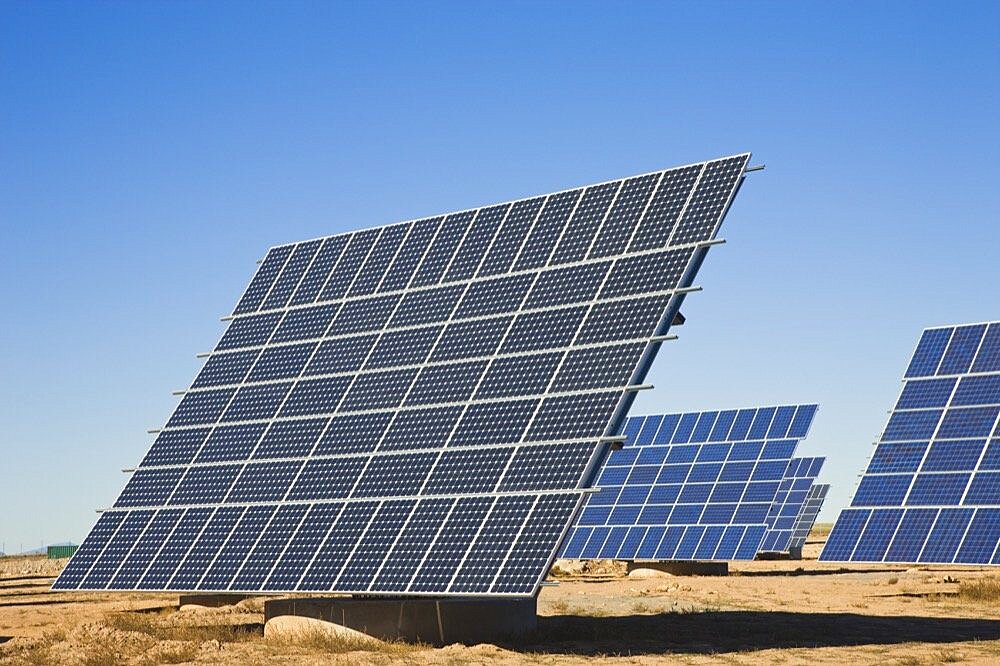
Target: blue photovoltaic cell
<point>722,481</point>
<point>930,493</point>
<point>417,408</point>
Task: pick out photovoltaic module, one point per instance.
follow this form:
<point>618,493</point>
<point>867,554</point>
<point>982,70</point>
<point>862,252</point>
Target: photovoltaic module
<point>931,493</point>
<point>696,486</point>
<point>414,409</point>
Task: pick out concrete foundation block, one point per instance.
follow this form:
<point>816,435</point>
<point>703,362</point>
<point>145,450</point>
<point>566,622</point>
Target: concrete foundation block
<point>433,621</point>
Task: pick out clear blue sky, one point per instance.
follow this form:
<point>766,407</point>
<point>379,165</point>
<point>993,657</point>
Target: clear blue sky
<point>151,152</point>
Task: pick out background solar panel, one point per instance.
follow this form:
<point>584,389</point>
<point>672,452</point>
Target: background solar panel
<point>416,408</point>
<point>694,486</point>
<point>788,503</point>
<point>931,492</point>
<point>810,512</point>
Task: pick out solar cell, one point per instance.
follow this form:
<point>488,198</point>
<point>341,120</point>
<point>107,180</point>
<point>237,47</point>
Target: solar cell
<point>930,493</point>
<point>695,486</point>
<point>414,409</point>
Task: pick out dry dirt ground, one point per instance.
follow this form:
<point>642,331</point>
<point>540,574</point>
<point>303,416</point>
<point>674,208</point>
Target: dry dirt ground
<point>763,612</point>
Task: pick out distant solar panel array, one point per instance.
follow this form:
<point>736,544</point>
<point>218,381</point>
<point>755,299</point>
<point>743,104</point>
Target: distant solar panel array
<point>789,503</point>
<point>695,486</point>
<point>416,409</point>
<point>807,517</point>
<point>931,492</point>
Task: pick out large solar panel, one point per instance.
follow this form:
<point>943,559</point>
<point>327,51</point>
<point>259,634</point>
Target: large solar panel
<point>695,486</point>
<point>414,409</point>
<point>809,514</point>
<point>931,492</point>
<point>788,503</point>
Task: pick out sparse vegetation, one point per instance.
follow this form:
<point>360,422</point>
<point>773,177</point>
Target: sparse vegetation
<point>154,625</point>
<point>949,656</point>
<point>982,590</point>
<point>560,606</point>
<point>642,607</point>
<point>892,581</point>
<point>174,654</point>
<point>101,654</point>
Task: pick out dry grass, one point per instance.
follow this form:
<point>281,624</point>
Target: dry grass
<point>99,654</point>
<point>39,653</point>
<point>642,607</point>
<point>982,590</point>
<point>152,625</point>
<point>174,654</point>
<point>948,656</point>
<point>560,606</point>
<point>589,611</point>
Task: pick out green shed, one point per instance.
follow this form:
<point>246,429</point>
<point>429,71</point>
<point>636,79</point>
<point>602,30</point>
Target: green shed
<point>62,550</point>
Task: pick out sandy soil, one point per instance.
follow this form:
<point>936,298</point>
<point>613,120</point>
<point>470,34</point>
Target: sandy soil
<point>763,612</point>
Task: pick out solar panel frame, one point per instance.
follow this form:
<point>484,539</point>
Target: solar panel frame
<point>257,514</point>
<point>894,517</point>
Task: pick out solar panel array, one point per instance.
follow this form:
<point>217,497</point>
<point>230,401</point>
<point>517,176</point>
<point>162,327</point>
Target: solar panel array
<point>810,512</point>
<point>931,492</point>
<point>788,503</point>
<point>414,409</point>
<point>695,486</point>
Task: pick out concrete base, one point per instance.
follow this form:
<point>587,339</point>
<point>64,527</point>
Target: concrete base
<point>683,568</point>
<point>211,600</point>
<point>434,621</point>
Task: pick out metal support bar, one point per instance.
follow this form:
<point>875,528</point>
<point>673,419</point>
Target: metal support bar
<point>713,242</point>
<point>154,431</point>
<point>750,169</point>
<point>663,338</point>
<point>178,392</point>
<point>686,290</point>
<point>549,583</point>
<point>203,354</point>
<point>638,387</point>
<point>128,470</point>
<point>612,440</point>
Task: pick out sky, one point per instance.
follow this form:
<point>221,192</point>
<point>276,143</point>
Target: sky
<point>150,153</point>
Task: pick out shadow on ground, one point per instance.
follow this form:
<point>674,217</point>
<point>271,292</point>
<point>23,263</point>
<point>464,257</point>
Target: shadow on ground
<point>739,631</point>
